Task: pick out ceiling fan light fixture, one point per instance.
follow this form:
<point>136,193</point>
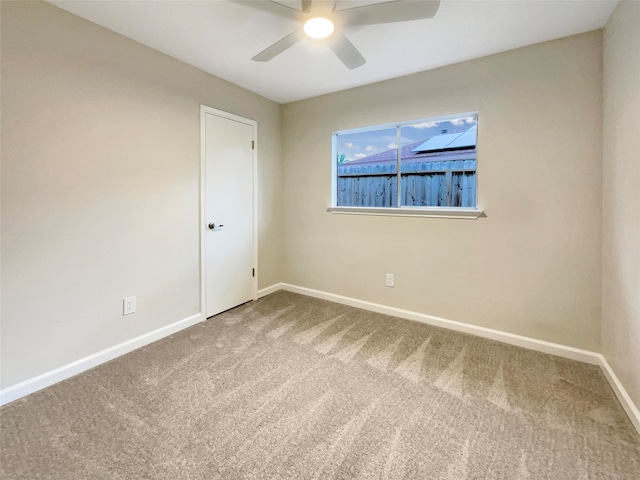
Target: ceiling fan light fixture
<point>318,27</point>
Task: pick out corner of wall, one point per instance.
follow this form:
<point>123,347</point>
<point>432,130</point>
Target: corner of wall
<point>620,319</point>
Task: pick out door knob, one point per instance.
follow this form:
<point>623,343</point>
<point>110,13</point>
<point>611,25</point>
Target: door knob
<point>213,225</point>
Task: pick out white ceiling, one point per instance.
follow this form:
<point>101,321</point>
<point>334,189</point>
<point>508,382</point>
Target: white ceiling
<point>220,37</point>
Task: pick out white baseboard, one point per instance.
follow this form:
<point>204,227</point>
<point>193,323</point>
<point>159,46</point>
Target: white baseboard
<point>564,351</point>
<point>269,290</point>
<point>46,379</point>
<point>559,350</point>
<point>621,393</point>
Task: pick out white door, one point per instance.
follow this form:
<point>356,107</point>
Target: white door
<point>228,210</point>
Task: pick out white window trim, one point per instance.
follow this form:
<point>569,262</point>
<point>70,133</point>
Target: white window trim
<point>434,212</point>
<point>429,212</point>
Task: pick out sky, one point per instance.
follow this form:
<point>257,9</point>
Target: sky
<point>363,144</point>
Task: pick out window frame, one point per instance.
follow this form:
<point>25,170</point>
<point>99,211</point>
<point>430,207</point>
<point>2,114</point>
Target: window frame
<point>399,210</point>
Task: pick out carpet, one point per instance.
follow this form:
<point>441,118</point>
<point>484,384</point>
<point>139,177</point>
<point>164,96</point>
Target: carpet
<point>292,387</point>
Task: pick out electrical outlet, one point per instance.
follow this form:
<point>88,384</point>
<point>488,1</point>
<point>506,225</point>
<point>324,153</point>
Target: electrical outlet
<point>129,306</point>
<point>390,280</point>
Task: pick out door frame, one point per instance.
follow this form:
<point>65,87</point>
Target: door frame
<point>204,110</point>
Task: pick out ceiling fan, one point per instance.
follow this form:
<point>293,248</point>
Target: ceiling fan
<point>325,19</point>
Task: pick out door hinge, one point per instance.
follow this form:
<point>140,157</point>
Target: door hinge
<point>253,144</point>
<point>253,272</point>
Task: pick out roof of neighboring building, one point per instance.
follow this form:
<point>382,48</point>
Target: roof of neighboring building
<point>439,148</point>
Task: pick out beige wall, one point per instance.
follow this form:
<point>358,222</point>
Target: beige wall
<point>533,265</point>
<point>100,187</point>
<point>621,200</point>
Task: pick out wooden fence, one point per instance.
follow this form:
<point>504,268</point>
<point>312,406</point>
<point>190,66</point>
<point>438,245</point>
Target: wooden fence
<point>424,184</point>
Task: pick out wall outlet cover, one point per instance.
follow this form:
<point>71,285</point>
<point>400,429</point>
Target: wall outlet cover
<point>390,280</point>
<point>129,306</point>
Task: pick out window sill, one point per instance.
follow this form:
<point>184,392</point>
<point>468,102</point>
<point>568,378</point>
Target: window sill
<point>437,212</point>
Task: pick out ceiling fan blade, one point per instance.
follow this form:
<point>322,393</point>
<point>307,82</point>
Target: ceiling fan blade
<point>354,13</point>
<point>271,7</point>
<point>346,52</point>
<point>322,6</point>
<point>306,6</point>
<point>278,47</point>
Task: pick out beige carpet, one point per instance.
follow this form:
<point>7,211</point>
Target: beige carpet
<point>292,387</point>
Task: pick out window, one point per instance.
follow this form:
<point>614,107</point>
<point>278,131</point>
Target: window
<point>418,167</point>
